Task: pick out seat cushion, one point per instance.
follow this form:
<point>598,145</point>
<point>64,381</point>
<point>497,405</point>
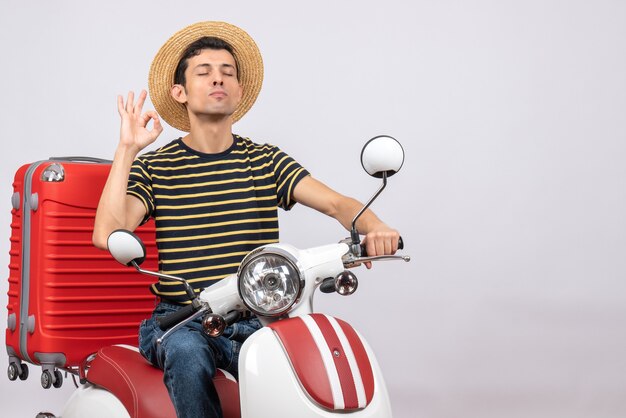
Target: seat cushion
<point>139,385</point>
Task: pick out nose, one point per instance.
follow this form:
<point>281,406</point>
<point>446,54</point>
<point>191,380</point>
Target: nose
<point>218,79</point>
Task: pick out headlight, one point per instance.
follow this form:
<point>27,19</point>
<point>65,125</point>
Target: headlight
<point>269,281</point>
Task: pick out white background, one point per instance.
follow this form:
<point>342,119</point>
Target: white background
<point>512,200</point>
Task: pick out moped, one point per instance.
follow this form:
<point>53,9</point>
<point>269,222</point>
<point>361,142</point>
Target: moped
<point>299,364</point>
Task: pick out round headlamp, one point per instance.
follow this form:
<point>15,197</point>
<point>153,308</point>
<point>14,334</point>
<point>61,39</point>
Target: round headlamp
<point>269,282</point>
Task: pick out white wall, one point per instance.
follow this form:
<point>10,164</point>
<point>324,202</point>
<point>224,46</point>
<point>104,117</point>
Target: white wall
<point>512,200</point>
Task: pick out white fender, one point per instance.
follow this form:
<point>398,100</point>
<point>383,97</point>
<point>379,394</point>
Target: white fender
<point>270,387</point>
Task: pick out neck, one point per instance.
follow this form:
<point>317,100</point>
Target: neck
<point>210,136</point>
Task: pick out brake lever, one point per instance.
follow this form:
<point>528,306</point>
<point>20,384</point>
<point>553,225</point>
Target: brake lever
<point>201,311</point>
<point>352,261</point>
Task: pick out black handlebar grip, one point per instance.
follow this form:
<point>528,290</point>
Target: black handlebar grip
<point>364,251</point>
<point>169,320</point>
<point>328,285</point>
<point>232,317</point>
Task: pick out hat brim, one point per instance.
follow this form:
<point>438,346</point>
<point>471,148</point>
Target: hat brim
<point>161,78</point>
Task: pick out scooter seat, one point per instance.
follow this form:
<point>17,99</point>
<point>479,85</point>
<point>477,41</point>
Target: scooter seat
<point>121,370</point>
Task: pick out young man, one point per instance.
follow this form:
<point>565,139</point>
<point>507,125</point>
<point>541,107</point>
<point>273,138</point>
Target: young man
<point>214,195</point>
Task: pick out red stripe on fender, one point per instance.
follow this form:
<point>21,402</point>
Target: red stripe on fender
<point>305,359</point>
<point>341,362</point>
<point>362,360</point>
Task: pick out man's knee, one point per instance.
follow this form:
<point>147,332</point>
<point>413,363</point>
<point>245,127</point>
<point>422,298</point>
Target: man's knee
<point>185,349</point>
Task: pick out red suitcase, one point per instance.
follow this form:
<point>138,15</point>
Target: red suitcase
<point>67,299</point>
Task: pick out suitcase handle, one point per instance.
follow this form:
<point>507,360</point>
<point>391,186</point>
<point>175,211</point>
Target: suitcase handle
<point>85,159</point>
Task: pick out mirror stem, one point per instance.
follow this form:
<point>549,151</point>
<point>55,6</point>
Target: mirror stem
<point>188,289</point>
<point>356,240</point>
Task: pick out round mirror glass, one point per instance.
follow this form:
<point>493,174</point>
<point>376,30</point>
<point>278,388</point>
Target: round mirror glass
<point>382,154</point>
<point>125,247</point>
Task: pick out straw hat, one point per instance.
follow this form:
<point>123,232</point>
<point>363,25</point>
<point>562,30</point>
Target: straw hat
<point>161,79</point>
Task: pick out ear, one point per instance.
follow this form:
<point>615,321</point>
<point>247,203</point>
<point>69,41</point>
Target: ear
<point>179,93</point>
<point>239,93</point>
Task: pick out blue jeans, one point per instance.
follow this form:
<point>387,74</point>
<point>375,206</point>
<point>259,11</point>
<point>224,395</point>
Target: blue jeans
<point>189,357</point>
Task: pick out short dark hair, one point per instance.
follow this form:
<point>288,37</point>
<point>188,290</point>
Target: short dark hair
<point>195,48</point>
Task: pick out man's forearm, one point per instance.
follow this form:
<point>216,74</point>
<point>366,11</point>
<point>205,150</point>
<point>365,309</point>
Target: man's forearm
<point>346,211</point>
<point>380,239</point>
<point>112,211</point>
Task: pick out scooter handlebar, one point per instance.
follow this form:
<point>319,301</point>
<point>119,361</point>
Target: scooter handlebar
<point>232,317</point>
<point>328,285</point>
<point>364,250</point>
<point>169,320</point>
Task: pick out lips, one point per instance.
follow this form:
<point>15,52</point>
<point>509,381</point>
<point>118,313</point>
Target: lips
<point>218,93</point>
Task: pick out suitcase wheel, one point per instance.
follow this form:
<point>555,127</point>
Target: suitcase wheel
<point>51,379</point>
<point>58,381</point>
<point>14,371</point>
<point>24,373</point>
<point>46,379</point>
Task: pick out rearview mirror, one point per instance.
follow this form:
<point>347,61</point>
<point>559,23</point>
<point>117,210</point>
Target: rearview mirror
<point>381,157</point>
<point>382,154</point>
<point>126,247</point>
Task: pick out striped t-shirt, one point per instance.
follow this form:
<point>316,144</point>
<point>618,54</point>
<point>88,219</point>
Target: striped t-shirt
<point>212,209</point>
